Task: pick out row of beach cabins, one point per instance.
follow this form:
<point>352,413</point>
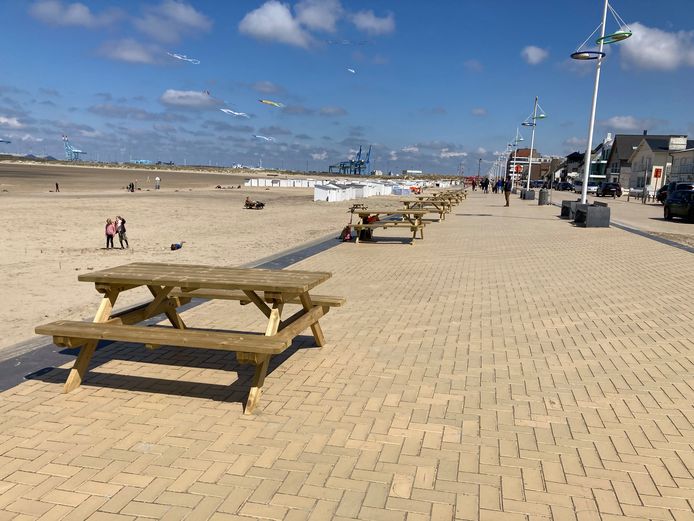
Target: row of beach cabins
<point>331,190</point>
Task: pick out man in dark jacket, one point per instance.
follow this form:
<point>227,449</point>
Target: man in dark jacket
<point>507,188</point>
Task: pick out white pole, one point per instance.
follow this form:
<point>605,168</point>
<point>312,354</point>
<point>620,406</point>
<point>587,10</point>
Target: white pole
<point>591,126</point>
<point>532,144</point>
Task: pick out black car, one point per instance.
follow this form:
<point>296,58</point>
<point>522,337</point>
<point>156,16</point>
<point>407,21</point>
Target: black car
<point>680,203</point>
<point>564,186</point>
<point>609,190</point>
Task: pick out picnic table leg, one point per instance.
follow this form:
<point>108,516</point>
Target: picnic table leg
<point>315,327</point>
<point>257,384</point>
<point>261,361</point>
<point>78,370</point>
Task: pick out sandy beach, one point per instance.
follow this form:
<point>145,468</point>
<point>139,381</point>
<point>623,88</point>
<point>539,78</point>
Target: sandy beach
<point>47,239</point>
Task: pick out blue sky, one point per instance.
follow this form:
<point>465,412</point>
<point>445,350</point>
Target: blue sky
<point>437,84</point>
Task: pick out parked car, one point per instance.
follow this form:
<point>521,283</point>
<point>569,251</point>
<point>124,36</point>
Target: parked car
<point>563,186</point>
<point>608,189</point>
<point>680,203</point>
<point>537,183</point>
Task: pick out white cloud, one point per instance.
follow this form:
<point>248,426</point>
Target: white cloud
<point>445,153</point>
<point>266,87</point>
<point>319,15</point>
<point>273,21</point>
<point>54,12</point>
<point>479,111</point>
<point>410,150</point>
<point>368,22</point>
<point>575,142</point>
<point>393,155</point>
<point>655,49</point>
<point>170,20</point>
<point>10,122</point>
<point>534,55</point>
<point>628,123</point>
<point>332,112</point>
<point>90,133</point>
<point>473,65</point>
<point>130,51</point>
<point>320,156</point>
<point>481,151</point>
<point>188,98</point>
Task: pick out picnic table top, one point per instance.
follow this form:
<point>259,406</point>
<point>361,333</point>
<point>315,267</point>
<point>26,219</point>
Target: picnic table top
<point>392,211</point>
<point>211,277</point>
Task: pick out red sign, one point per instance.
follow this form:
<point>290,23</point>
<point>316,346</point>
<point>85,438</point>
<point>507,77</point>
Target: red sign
<point>657,172</point>
<point>519,169</point>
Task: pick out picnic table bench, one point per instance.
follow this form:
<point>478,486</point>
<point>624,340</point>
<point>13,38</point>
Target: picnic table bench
<point>395,218</point>
<point>173,285</point>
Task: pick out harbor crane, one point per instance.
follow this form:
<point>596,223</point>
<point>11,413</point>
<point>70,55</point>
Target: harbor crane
<point>71,153</point>
<point>356,166</point>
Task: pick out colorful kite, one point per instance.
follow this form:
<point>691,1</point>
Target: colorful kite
<point>270,102</point>
<point>184,58</point>
<point>232,113</point>
<point>352,71</point>
<point>264,137</point>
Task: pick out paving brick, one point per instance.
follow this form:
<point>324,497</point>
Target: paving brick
<point>484,393</point>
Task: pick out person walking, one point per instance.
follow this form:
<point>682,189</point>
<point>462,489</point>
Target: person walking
<point>157,183</point>
<point>120,229</point>
<point>110,232</point>
<point>507,189</point>
<point>57,187</point>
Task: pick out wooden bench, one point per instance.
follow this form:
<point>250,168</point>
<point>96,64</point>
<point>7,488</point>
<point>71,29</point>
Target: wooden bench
<point>255,349</point>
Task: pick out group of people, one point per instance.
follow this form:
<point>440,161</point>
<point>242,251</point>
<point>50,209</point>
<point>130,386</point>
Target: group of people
<point>253,205</point>
<point>113,228</point>
<point>484,185</point>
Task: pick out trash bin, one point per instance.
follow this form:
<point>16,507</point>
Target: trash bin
<point>568,209</point>
<point>596,215</point>
<point>543,198</point>
<point>528,195</point>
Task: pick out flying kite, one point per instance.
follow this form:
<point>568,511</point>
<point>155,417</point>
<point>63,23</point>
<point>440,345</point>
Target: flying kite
<point>232,113</point>
<point>184,58</point>
<point>5,141</point>
<point>352,71</point>
<point>264,137</point>
<point>270,102</point>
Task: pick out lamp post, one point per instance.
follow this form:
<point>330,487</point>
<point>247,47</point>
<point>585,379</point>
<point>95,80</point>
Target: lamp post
<point>533,124</point>
<point>516,140</point>
<point>598,55</point>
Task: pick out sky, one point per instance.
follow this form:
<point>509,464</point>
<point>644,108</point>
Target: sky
<point>431,86</point>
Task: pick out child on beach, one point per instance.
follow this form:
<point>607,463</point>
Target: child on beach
<point>110,232</point>
<point>120,229</point>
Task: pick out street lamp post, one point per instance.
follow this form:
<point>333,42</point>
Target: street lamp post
<point>532,124</point>
<point>582,54</point>
<point>516,140</point>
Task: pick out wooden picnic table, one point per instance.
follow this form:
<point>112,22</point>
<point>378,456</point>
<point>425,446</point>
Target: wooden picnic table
<point>173,285</point>
<point>408,217</point>
<point>433,205</point>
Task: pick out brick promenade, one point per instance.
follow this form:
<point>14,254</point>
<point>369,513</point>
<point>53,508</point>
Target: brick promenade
<point>508,367</point>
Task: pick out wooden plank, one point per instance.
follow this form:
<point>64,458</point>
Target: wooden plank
<point>299,322</point>
<point>228,294</point>
<point>212,277</point>
<point>193,338</point>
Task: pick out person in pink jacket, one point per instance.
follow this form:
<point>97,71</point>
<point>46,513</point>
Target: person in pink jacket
<point>110,232</point>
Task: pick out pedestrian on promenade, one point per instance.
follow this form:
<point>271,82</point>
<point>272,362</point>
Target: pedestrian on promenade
<point>57,187</point>
<point>507,189</point>
<point>157,183</point>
